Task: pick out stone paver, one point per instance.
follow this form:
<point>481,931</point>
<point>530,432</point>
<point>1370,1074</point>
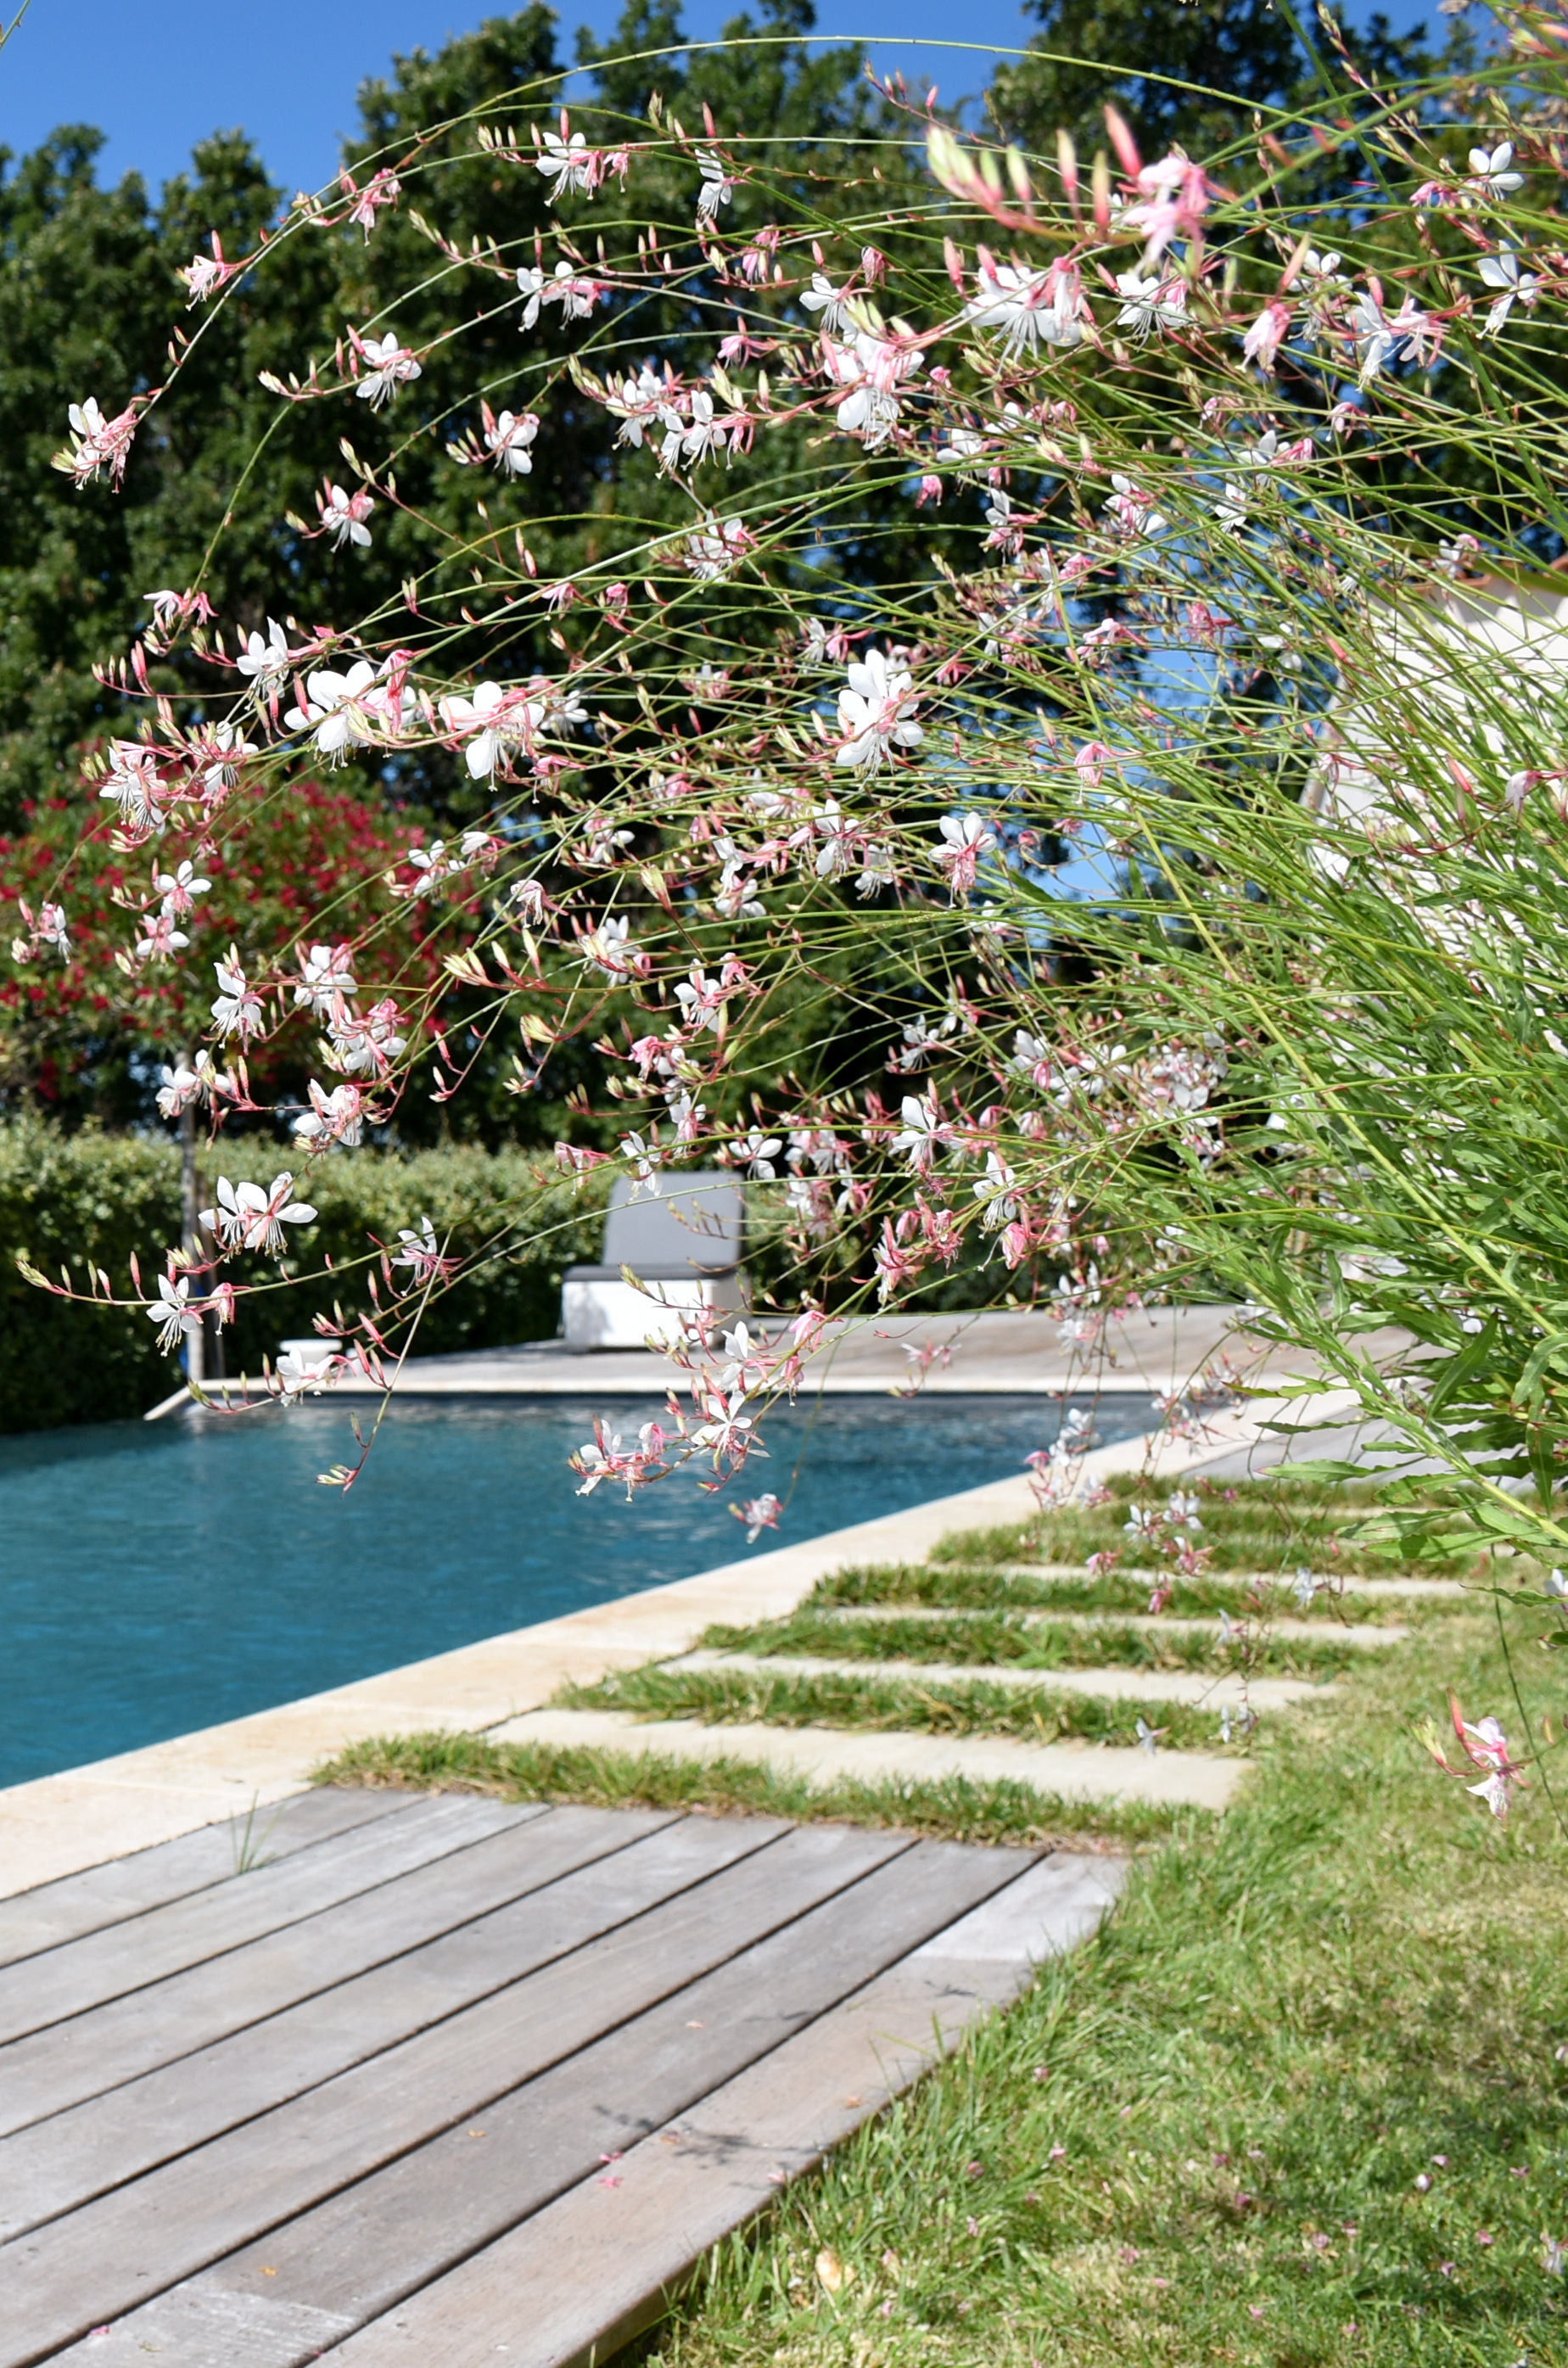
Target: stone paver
<point>1196,1688</point>
<point>1363,1634</point>
<point>834,1755</point>
<point>1328,1582</point>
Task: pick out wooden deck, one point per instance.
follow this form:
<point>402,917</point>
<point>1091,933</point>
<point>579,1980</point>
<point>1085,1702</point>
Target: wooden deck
<point>434,2079</point>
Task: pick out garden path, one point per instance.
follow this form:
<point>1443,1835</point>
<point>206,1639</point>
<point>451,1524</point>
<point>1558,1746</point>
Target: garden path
<point>356,2081</point>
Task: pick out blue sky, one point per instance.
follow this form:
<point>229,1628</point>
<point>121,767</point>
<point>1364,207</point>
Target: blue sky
<point>156,80</point>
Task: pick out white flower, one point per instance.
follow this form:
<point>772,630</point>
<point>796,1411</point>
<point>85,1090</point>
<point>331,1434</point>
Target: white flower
<point>924,1132</point>
<point>367,1046</point>
<point>575,296</point>
<point>1324,269</point>
<point>571,161</point>
<point>337,1117</point>
<point>967,838</point>
<point>691,443</point>
<point>343,515</point>
<point>180,1088</point>
<point>610,949</point>
<point>173,1313</point>
<point>97,442</point>
<point>1032,307</point>
<point>51,929</point>
<point>391,366</point>
<point>1132,508</point>
<point>757,1153</point>
<point>871,368</point>
<point>715,549</point>
<point>495,722</point>
<point>264,662</point>
<point>334,710</point>
<point>1150,302</point>
<point>420,1252</point>
<point>326,976</point>
<point>223,750</point>
<point>132,784</point>
<point>1502,271</point>
<point>247,1218</point>
<point>1375,340</point>
<point>996,1194</point>
<point>162,941</point>
<point>822,297</point>
<point>1491,168</point>
<point>508,438</point>
<point>238,1008</point>
<point>876,713</point>
<point>717,188</point>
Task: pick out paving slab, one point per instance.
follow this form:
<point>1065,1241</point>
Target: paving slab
<point>1364,1635</point>
<point>1196,1688</point>
<point>1076,1771</point>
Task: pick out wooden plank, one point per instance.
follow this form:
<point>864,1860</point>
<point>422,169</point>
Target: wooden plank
<point>38,1991</point>
<point>356,2255</point>
<point>52,2076</point>
<point>63,1910</point>
<point>64,2278</point>
<point>633,2246</point>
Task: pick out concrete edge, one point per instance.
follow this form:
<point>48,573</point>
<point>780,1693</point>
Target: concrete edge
<point>105,1809</point>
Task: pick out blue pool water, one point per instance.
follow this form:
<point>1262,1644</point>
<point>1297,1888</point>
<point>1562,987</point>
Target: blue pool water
<point>159,1578</point>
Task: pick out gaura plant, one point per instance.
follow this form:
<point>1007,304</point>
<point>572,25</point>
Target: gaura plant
<point>1042,742</point>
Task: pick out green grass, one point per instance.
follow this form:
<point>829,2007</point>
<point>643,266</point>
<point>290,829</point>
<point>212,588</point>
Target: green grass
<point>1270,1524</point>
<point>1003,1637</point>
<point>1198,2138</point>
<point>952,1810</point>
<point>982,1586</point>
<point>1032,1713</point>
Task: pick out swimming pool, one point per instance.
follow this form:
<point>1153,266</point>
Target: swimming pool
<point>159,1578</point>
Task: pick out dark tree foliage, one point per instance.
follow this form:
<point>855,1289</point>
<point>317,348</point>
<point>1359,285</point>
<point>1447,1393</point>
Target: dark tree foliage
<point>1189,74</point>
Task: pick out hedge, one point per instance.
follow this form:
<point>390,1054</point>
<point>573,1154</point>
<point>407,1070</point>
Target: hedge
<point>94,1197</point>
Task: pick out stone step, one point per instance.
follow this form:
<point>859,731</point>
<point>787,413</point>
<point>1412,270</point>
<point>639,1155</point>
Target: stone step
<point>1360,1634</point>
<point>1329,1582</point>
<point>825,1756</point>
<point>1195,1688</point>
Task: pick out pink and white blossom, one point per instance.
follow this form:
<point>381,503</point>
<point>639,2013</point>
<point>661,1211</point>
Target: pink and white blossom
<point>172,1312</point>
<point>335,1117</point>
<point>204,274</point>
<point>97,443</point>
<point>383,188</point>
<point>248,1217</point>
<point>343,515</point>
<point>387,366</point>
<point>238,1010</point>
<point>508,436</point>
<point>877,708</point>
<point>967,838</point>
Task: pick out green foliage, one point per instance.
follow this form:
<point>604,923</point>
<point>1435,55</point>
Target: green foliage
<point>953,1809</point>
<point>74,1199</point>
<point>1002,1635</point>
<point>93,1199</point>
<point>1180,71</point>
<point>885,1703</point>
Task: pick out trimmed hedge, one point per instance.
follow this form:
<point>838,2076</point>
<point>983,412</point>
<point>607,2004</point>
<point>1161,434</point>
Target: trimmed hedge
<point>91,1197</point>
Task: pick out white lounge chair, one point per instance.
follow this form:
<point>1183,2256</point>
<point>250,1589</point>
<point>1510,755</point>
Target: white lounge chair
<point>684,1248</point>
